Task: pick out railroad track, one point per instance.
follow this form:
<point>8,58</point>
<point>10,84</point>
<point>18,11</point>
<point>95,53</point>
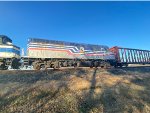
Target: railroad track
<point>86,68</point>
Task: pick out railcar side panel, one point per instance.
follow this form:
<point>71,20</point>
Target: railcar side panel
<point>131,56</point>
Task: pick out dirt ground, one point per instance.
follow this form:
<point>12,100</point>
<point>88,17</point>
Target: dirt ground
<point>81,90</point>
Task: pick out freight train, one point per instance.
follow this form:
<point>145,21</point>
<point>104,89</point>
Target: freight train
<point>44,54</point>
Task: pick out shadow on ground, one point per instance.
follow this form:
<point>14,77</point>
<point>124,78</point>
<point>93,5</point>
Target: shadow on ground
<point>122,97</point>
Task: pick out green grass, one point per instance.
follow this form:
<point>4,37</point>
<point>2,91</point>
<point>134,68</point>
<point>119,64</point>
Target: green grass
<point>76,91</point>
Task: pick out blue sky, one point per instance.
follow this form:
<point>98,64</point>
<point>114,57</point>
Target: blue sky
<point>125,24</point>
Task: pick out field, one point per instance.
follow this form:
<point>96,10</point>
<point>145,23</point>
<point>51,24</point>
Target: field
<point>81,90</point>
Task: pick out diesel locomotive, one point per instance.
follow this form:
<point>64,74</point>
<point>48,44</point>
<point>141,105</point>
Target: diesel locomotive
<point>55,54</point>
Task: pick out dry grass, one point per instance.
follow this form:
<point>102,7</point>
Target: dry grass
<point>124,90</point>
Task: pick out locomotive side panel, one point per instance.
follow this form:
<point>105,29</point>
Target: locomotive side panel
<point>47,53</point>
<point>9,51</point>
<point>40,48</point>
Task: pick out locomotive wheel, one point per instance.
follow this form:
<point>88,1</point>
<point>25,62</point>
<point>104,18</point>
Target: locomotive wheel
<point>57,65</point>
<point>96,64</point>
<point>76,64</point>
<point>91,64</point>
<point>107,65</point>
<point>3,67</point>
<point>65,64</point>
<point>36,66</point>
<point>43,67</point>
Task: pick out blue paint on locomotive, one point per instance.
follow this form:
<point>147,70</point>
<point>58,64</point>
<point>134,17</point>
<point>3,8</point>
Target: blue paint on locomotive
<point>10,50</point>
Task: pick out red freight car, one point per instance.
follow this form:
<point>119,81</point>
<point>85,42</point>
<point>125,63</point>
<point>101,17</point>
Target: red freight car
<point>125,56</point>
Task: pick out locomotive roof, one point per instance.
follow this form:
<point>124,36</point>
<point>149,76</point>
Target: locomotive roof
<point>9,40</point>
<point>46,41</point>
<point>6,37</point>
